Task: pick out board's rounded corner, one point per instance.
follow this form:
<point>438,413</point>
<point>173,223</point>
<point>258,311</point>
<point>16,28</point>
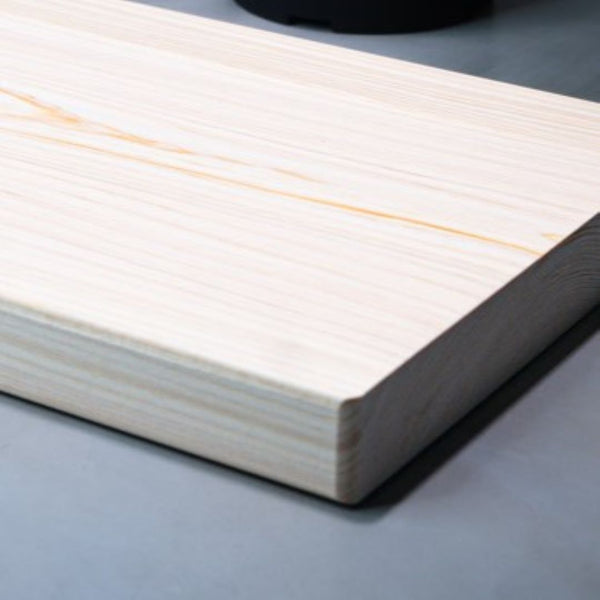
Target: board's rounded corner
<point>348,488</point>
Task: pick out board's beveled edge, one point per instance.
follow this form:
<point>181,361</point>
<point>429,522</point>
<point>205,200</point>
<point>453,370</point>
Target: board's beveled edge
<point>171,403</point>
<point>382,431</point>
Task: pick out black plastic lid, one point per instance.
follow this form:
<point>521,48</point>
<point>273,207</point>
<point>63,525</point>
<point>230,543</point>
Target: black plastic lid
<point>367,16</point>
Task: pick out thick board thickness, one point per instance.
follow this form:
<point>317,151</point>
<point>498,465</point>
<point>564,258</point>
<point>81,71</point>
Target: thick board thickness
<point>299,260</point>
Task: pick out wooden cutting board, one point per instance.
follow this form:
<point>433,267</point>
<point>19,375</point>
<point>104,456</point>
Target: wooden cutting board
<point>299,260</point>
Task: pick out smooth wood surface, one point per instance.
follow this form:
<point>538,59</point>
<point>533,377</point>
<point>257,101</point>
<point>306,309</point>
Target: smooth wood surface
<point>302,261</point>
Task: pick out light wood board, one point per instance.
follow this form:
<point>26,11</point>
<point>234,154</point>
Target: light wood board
<point>299,260</point>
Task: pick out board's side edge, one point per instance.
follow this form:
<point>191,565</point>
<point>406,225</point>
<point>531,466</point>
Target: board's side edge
<point>268,432</point>
<point>381,431</point>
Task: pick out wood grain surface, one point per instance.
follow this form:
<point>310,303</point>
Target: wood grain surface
<point>300,260</point>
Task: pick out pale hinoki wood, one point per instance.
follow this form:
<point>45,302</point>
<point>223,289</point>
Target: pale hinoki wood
<point>299,260</point>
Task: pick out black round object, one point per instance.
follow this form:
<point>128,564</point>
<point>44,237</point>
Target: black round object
<point>367,16</point>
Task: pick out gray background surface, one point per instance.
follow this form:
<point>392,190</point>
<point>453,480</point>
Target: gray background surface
<point>506,505</point>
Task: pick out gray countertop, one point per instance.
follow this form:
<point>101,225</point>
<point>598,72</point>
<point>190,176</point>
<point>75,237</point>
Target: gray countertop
<point>506,505</point>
